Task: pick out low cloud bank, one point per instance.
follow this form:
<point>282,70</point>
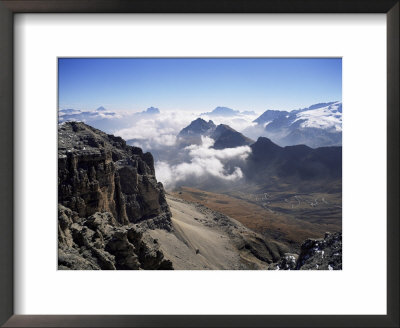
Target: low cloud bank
<point>156,131</point>
<point>238,122</point>
<point>205,162</point>
<point>149,129</point>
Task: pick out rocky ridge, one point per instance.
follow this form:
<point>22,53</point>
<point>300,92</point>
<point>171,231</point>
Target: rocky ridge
<point>107,193</point>
<point>299,166</point>
<point>223,135</point>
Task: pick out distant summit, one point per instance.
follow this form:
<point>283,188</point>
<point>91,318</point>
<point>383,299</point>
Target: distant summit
<point>151,110</point>
<point>197,128</point>
<point>228,112</point>
<point>101,108</point>
<point>222,111</point>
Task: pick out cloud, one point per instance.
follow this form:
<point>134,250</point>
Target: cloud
<point>239,122</point>
<point>86,116</point>
<point>254,131</point>
<point>204,163</point>
<point>152,129</point>
<point>195,165</point>
<point>155,131</point>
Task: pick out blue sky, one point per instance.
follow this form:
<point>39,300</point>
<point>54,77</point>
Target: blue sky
<point>198,84</point>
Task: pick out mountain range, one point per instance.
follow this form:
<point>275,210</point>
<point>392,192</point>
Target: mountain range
<point>113,214</point>
<point>316,126</point>
<point>269,164</point>
<point>300,166</point>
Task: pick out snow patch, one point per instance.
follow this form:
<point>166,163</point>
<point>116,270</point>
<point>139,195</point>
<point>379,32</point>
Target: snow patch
<point>328,117</point>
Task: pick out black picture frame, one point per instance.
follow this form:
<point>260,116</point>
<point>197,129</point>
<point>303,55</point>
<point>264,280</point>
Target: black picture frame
<point>10,7</point>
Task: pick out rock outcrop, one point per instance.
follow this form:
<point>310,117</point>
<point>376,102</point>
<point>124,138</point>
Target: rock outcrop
<point>99,242</point>
<point>315,254</point>
<point>105,187</point>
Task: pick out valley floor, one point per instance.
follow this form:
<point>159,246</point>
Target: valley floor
<point>287,218</point>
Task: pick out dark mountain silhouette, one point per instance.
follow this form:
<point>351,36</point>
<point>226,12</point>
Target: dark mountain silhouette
<point>194,131</point>
<point>198,126</point>
<point>299,165</point>
<point>226,137</point>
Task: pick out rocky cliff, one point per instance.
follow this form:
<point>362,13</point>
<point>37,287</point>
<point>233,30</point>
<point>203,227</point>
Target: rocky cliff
<point>104,188</point>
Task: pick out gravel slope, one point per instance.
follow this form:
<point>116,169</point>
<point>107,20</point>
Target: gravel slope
<point>205,239</point>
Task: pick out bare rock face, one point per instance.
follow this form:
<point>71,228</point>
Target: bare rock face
<point>321,254</point>
<point>99,172</point>
<point>105,187</point>
<point>286,262</point>
<point>99,242</point>
<point>315,254</point>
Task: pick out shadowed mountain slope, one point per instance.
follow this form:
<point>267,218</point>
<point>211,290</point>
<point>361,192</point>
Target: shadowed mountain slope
<point>299,165</point>
<point>223,135</point>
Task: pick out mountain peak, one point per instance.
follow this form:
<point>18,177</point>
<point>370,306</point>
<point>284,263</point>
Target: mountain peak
<point>152,110</point>
<point>222,111</point>
<point>226,137</point>
<point>101,108</point>
<point>223,127</point>
<point>265,141</point>
<point>264,146</point>
<point>198,127</point>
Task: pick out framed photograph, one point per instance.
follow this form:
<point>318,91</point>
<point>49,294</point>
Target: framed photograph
<point>199,164</point>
